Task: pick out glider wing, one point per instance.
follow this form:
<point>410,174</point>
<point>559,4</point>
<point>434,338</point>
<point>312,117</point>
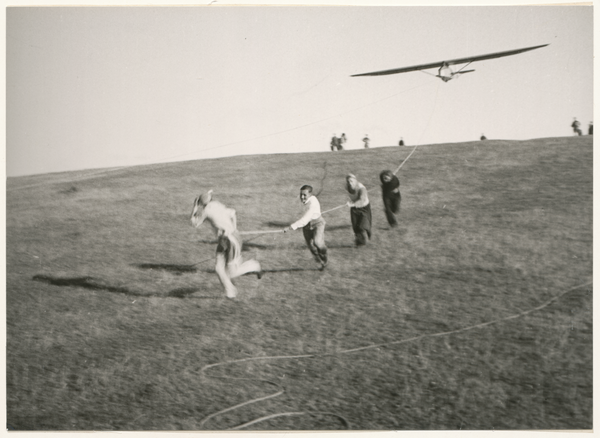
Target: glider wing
<point>450,62</point>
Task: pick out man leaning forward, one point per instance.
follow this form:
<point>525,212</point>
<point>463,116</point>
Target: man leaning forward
<point>312,224</point>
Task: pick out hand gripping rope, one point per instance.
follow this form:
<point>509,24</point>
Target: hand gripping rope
<point>352,350</point>
<point>281,231</point>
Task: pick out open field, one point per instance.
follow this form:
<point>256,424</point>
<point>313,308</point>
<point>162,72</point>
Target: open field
<point>113,307</point>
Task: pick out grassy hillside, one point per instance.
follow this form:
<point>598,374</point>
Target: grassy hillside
<point>475,313</point>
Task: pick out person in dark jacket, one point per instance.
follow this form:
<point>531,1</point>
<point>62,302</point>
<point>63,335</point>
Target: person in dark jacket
<point>390,190</point>
<point>335,143</point>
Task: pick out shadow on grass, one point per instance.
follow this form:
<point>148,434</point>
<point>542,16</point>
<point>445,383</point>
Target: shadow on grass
<point>396,230</point>
<point>250,274</point>
<point>94,284</point>
<point>84,282</point>
<point>70,190</point>
<point>175,269</point>
<point>291,270</point>
<point>245,245</point>
<point>327,227</point>
<point>183,292</point>
<point>210,242</point>
<point>341,245</point>
<point>275,224</point>
<point>337,227</point>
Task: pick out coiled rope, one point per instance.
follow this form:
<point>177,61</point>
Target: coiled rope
<point>351,350</point>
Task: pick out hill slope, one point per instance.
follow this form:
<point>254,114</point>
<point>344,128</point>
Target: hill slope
<point>113,306</point>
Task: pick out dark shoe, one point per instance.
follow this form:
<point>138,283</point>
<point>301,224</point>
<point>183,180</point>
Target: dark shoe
<point>259,274</point>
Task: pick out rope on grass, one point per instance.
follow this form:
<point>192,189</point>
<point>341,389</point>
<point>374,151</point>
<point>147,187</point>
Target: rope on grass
<point>289,414</point>
<point>351,350</point>
<point>203,261</point>
<point>405,160</point>
<point>261,232</point>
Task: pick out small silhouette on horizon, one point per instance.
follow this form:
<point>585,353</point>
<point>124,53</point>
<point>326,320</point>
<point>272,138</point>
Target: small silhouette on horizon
<point>336,143</point>
<point>576,126</point>
<point>366,141</point>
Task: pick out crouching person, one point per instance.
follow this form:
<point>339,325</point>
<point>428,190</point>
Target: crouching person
<point>312,224</point>
<point>229,263</point>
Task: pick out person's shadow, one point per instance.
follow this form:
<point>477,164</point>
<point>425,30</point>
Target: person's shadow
<point>91,283</point>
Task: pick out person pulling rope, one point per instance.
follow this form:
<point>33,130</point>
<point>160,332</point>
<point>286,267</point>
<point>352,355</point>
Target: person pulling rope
<point>223,220</point>
<point>312,224</point>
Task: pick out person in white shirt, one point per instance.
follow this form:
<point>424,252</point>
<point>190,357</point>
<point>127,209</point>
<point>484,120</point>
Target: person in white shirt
<point>360,210</point>
<point>312,224</point>
<point>229,258</point>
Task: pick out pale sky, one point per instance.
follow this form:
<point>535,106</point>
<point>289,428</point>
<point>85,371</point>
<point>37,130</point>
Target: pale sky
<point>92,87</point>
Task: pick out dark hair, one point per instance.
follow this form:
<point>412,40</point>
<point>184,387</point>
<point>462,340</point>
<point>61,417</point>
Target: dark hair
<point>306,187</point>
<point>385,172</point>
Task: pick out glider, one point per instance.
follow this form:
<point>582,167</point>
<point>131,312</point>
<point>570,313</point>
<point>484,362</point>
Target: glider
<point>445,72</point>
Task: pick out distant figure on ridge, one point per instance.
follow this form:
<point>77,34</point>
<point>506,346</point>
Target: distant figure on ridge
<point>401,142</point>
<point>360,210</point>
<point>312,224</point>
<point>390,190</point>
<point>336,145</point>
<point>575,125</point>
<point>343,140</point>
<point>229,249</point>
<point>591,128</point>
<point>483,137</point>
<point>366,141</point>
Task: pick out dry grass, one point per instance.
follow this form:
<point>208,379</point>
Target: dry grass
<point>109,322</point>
